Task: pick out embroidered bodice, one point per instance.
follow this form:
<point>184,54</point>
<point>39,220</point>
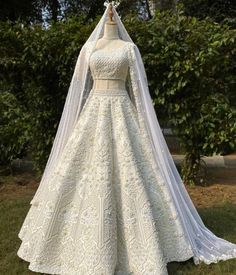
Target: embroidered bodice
<point>110,64</point>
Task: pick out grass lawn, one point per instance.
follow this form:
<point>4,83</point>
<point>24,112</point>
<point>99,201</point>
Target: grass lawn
<point>216,204</point>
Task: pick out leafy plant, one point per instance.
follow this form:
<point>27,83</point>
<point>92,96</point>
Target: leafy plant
<point>36,67</point>
<point>190,65</point>
<point>14,127</point>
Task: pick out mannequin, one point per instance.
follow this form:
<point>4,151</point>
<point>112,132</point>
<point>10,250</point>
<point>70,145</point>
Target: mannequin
<point>111,200</point>
<point>109,42</point>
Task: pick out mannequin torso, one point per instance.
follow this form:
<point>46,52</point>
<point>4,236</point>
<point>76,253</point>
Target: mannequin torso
<point>108,44</point>
<point>110,39</point>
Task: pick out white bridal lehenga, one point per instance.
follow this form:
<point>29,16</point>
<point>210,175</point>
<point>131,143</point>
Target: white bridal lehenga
<point>106,207</point>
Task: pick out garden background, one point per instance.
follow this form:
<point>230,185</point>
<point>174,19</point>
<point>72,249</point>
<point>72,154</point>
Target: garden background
<point>189,53</point>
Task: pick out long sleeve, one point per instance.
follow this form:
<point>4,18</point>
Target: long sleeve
<point>87,87</point>
<point>129,87</point>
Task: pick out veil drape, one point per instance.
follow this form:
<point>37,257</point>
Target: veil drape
<point>206,246</point>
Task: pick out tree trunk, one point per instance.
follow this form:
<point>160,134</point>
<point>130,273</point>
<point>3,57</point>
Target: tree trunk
<point>54,9</point>
<point>161,4</point>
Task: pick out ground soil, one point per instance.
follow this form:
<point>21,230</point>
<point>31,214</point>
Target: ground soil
<point>221,187</point>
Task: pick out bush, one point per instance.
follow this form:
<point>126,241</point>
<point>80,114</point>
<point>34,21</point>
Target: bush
<point>14,130</point>
<point>190,65</point>
<point>36,68</point>
<point>219,10</point>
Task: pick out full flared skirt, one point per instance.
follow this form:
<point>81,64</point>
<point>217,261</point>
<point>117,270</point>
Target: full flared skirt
<point>106,210</point>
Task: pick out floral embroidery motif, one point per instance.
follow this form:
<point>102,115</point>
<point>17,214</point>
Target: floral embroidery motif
<point>107,210</point>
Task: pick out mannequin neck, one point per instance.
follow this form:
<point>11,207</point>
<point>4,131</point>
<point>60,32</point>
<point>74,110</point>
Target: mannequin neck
<point>110,32</point>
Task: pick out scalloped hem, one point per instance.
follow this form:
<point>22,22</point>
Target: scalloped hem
<point>57,271</point>
<point>215,259</point>
<point>196,261</point>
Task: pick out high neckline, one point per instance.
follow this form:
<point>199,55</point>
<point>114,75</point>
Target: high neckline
<point>112,50</point>
<point>111,38</point>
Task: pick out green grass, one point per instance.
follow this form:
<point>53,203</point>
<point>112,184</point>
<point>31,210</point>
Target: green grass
<point>12,216</point>
<point>220,219</point>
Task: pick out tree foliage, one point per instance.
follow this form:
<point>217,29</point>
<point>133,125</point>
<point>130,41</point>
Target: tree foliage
<point>50,11</point>
<point>219,10</point>
<point>36,68</point>
<point>25,10</point>
<point>190,66</point>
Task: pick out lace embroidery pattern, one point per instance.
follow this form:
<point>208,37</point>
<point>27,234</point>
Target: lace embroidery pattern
<point>109,64</point>
<point>107,210</point>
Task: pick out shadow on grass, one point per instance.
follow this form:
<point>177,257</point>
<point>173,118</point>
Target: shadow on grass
<point>220,219</point>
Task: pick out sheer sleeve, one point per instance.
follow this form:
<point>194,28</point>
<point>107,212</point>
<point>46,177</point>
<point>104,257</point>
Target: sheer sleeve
<point>87,88</point>
<point>134,86</point>
<point>129,87</point>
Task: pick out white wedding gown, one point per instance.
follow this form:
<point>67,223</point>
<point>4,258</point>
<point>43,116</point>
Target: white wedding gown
<point>107,210</point>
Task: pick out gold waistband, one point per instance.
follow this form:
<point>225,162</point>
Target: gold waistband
<point>106,84</point>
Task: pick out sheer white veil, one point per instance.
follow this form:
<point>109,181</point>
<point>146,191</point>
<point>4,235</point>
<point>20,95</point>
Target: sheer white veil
<point>206,246</point>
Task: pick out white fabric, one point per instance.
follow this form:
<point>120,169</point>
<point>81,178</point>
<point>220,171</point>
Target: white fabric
<point>206,246</point>
<point>107,209</point>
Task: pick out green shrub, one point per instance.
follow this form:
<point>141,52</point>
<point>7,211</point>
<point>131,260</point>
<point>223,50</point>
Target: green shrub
<point>190,66</point>
<point>14,129</point>
<point>219,10</point>
<point>36,68</point>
